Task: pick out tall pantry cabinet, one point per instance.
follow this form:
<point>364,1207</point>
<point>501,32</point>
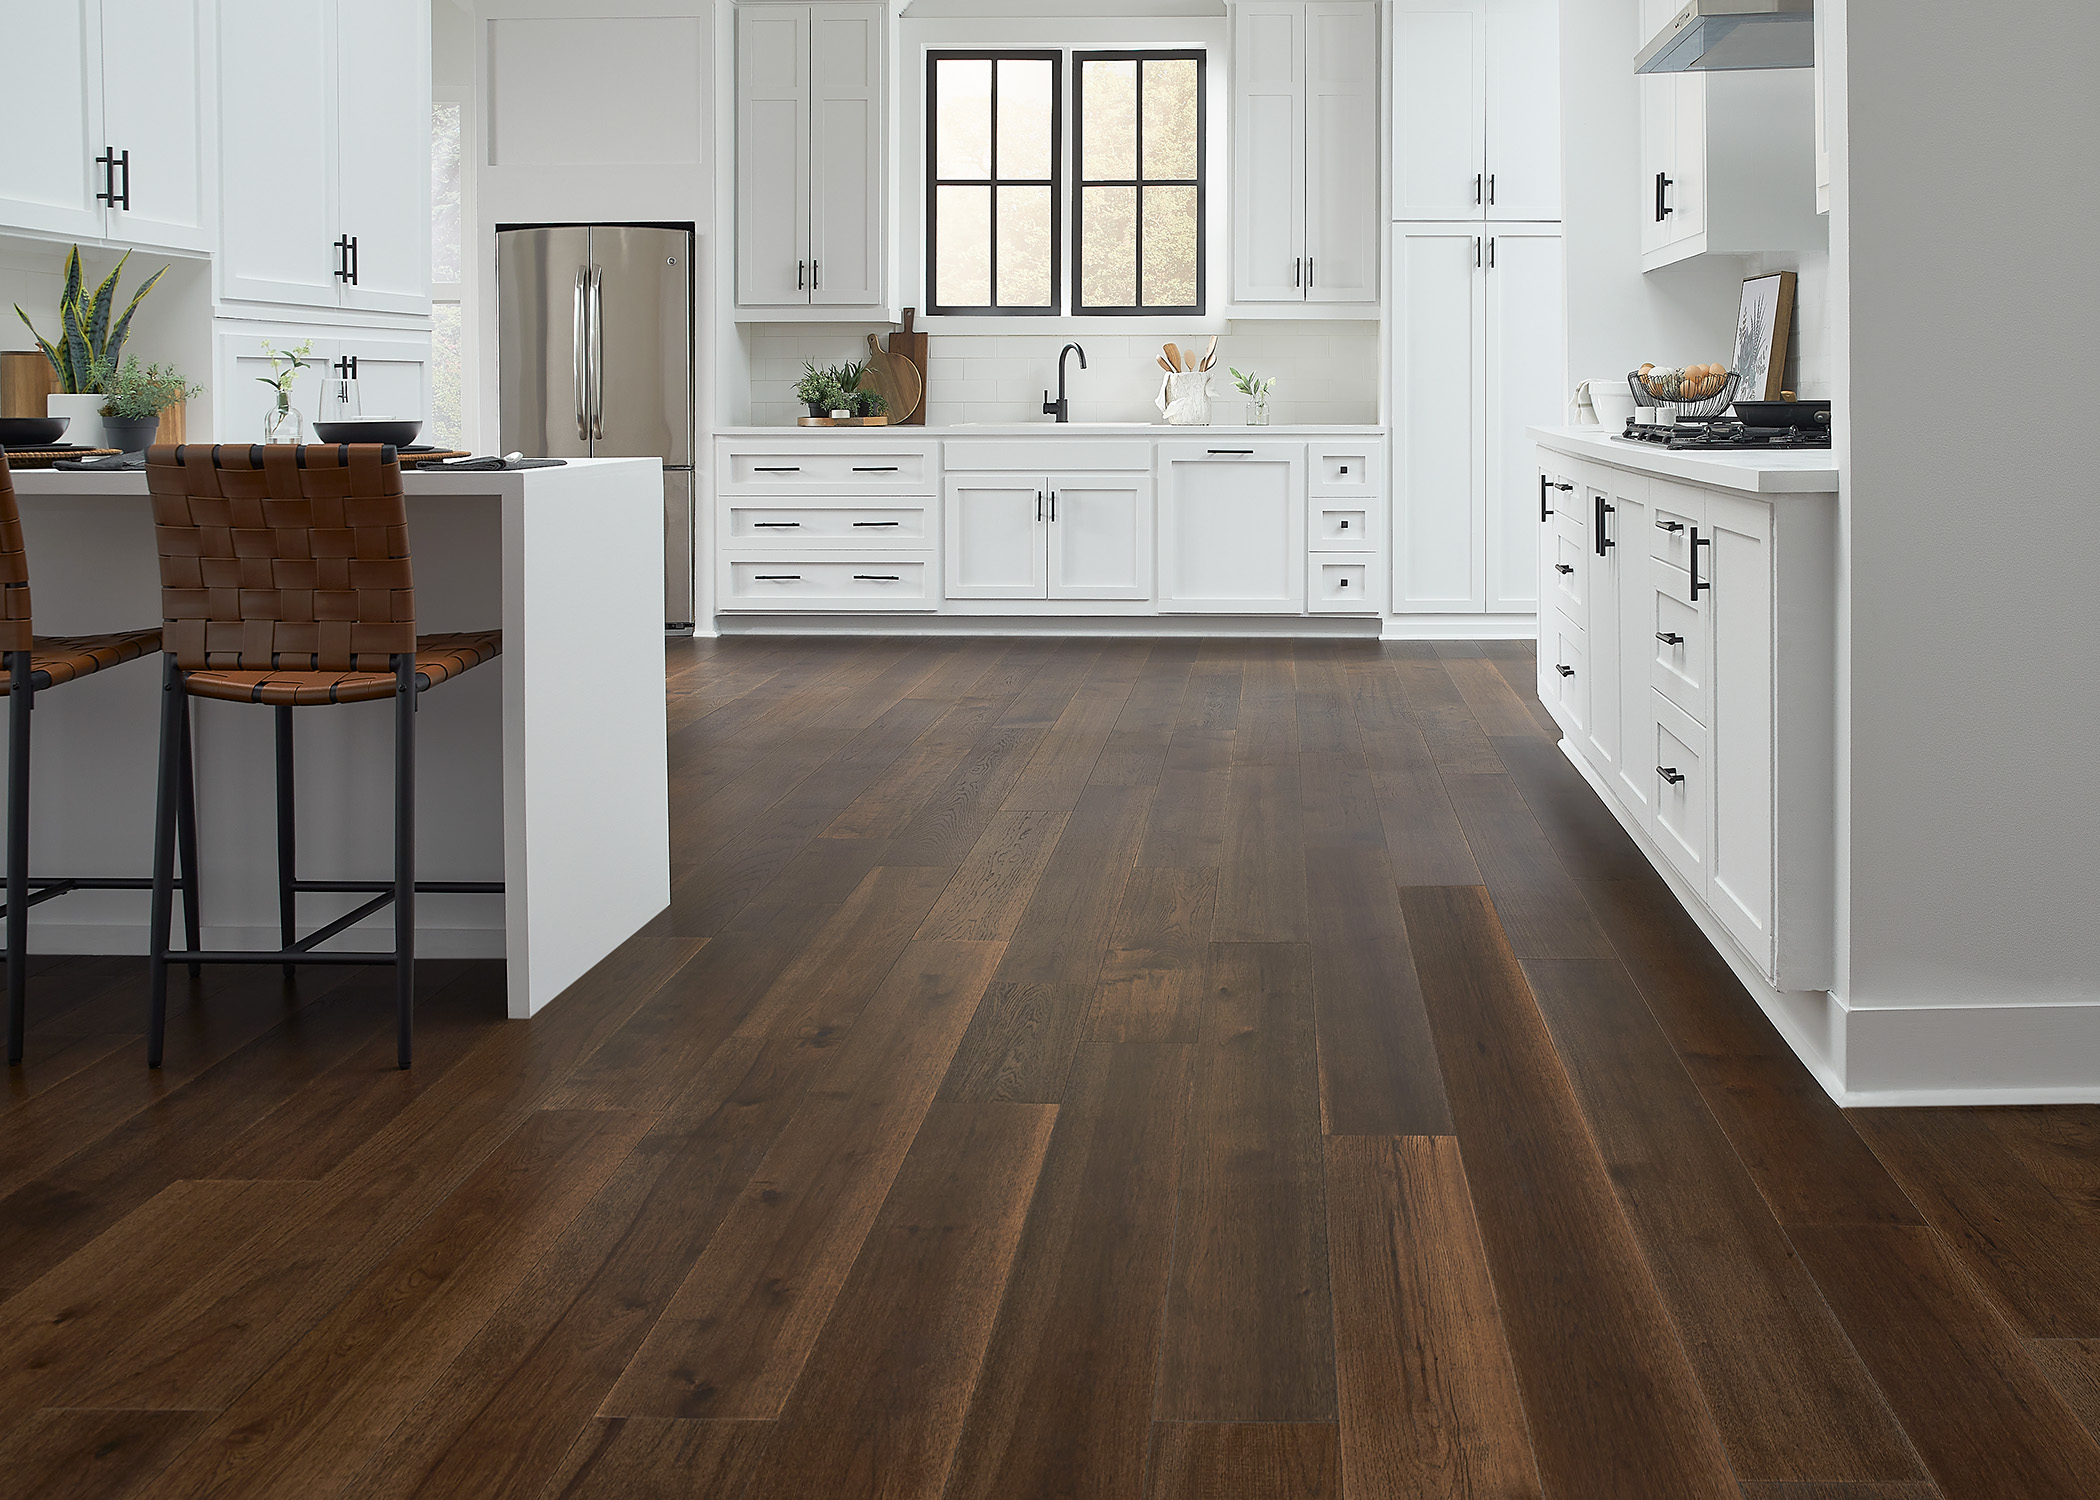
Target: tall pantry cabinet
<point>1478,342</point>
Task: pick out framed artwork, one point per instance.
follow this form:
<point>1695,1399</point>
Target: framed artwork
<point>1762,326</point>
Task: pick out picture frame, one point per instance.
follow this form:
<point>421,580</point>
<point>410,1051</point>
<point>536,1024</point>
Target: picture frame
<point>1764,323</point>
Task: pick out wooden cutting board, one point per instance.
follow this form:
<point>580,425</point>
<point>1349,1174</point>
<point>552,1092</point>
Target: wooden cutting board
<point>910,344</point>
<point>896,380</point>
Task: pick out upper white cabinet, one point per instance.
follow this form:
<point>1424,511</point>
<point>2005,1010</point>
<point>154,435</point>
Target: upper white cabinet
<point>108,133</point>
<point>1476,110</point>
<point>325,131</point>
<point>1232,527</point>
<point>811,142</point>
<point>1478,355</point>
<point>1305,152</point>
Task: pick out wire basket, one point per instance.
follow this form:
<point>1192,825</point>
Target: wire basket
<point>1708,406</point>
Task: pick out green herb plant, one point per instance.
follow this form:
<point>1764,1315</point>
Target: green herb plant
<point>837,389</point>
<point>85,354</point>
<point>139,393</point>
<point>1252,386</point>
<point>285,365</point>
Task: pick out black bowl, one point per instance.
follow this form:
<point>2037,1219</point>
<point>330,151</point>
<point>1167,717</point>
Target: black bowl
<point>16,431</point>
<point>1808,414</point>
<point>400,434</point>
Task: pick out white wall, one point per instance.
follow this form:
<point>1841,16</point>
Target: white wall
<point>1964,225</point>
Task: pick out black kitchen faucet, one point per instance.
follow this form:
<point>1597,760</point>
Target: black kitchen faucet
<point>1061,408</point>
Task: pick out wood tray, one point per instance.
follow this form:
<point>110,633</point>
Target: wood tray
<point>842,421</point>
<point>44,458</point>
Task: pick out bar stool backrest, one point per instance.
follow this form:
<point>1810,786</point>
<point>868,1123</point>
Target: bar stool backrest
<point>15,633</point>
<point>286,558</point>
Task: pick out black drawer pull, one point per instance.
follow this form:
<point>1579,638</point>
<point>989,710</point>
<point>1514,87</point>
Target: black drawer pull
<point>875,469</point>
<point>778,577</point>
<point>1344,583</point>
<point>1669,525</point>
<point>1669,637</point>
<point>1670,774</point>
<point>876,578</point>
<point>1345,525</point>
<point>877,523</point>
<point>1231,452</point>
<point>776,469</point>
<point>1564,669</point>
<point>1545,511</point>
<point>775,525</point>
<point>1562,568</point>
<point>1699,585</point>
<point>1564,486</point>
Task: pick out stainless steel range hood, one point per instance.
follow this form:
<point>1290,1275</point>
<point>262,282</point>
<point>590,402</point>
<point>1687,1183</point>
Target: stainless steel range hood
<point>1723,36</point>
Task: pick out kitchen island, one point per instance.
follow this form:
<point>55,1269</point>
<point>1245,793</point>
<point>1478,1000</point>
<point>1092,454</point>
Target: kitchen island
<point>546,768</point>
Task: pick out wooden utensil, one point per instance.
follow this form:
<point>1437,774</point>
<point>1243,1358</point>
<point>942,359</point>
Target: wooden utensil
<point>1164,366</point>
<point>895,379</point>
<point>1173,359</point>
<point>910,343</point>
<point>1209,354</point>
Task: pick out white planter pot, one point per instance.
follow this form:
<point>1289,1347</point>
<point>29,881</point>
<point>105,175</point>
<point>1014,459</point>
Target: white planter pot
<point>85,430</point>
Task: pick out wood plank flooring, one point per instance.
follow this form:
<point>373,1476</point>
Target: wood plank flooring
<point>1145,1070</point>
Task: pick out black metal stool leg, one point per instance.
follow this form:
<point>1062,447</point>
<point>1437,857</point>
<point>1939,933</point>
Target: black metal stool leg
<point>21,698</point>
<point>174,704</point>
<point>186,840</point>
<point>404,856</point>
<point>287,838</point>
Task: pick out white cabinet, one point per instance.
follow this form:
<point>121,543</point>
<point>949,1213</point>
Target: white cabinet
<point>1305,151</point>
<point>1728,164</point>
<point>811,142</point>
<point>393,374</point>
<point>1054,536</point>
<point>325,127</point>
<point>1476,110</point>
<point>1478,355</point>
<point>107,125</point>
<point>1232,527</point>
<point>816,525</point>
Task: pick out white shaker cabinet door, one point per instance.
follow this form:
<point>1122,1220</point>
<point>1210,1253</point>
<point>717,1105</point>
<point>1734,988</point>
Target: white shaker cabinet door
<point>1606,722</point>
<point>1341,151</point>
<point>48,174</point>
<point>157,66</point>
<point>1523,110</point>
<point>1526,387</point>
<point>383,170</point>
<point>995,525</point>
<point>1100,536</point>
<point>1439,395</point>
<point>1440,81</point>
<point>1740,749</point>
<point>277,152</point>
<point>846,139</point>
<point>1626,527</point>
<point>1268,151</point>
<point>1658,158</point>
<point>772,155</point>
<point>1232,527</point>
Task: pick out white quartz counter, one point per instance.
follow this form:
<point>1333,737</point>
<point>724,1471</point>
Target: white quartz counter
<point>1047,428</point>
<point>546,768</point>
<point>1756,473</point>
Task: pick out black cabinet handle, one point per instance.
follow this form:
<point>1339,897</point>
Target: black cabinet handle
<point>776,525</point>
<point>1663,184</point>
<point>1231,452</point>
<point>1669,525</point>
<point>802,275</point>
<point>778,577</point>
<point>1699,587</point>
<point>877,523</point>
<point>1670,774</point>
<point>123,200</point>
<point>776,469</point>
<point>1053,505</point>
<point>108,162</point>
<point>876,578</point>
<point>1562,485</point>
<point>1669,637</point>
<point>1491,252</point>
<point>1564,669</point>
<point>346,367</point>
<point>1491,195</point>
<point>1476,189</point>
<point>816,274</point>
<point>1603,540</point>
<point>346,249</point>
<point>1345,525</point>
<point>1545,510</point>
<point>874,468</point>
<point>1563,568</point>
<point>1343,582</point>
<point>1039,505</point>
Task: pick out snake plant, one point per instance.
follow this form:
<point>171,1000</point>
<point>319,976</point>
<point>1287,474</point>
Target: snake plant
<point>86,353</point>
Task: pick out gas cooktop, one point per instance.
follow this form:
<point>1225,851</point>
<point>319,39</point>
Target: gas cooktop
<point>1725,436</point>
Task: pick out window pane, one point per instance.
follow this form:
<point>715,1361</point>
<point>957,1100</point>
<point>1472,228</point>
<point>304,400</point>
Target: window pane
<point>1024,117</point>
<point>1170,247</point>
<point>445,427</point>
<point>963,275</point>
<point>963,86</point>
<point>1108,258</point>
<point>1108,92</point>
<point>1170,118</point>
<point>444,192</point>
<point>1024,247</point>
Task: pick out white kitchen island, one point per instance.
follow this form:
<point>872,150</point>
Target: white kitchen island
<point>547,765</point>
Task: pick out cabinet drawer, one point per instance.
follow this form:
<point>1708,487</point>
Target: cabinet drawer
<point>1682,790</point>
<point>1346,470</point>
<point>1565,672</point>
<point>789,583</point>
<point>1568,573</point>
<point>1340,587</point>
<point>1679,629</point>
<point>1343,526</point>
<point>860,469</point>
<point>1677,509</point>
<point>784,523</point>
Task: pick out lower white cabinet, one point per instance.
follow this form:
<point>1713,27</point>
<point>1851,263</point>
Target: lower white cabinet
<point>1696,681</point>
<point>393,374</point>
<point>1232,527</point>
<point>1049,536</point>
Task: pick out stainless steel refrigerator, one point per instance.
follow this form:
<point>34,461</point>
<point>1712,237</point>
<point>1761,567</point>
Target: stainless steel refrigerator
<point>594,338</point>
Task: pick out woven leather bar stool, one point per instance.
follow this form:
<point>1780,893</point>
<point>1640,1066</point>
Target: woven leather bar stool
<point>34,665</point>
<point>285,581</point>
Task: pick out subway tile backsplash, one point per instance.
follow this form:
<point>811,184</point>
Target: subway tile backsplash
<point>1324,371</point>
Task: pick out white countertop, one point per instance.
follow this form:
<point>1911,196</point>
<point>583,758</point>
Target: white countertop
<point>1063,429</point>
<point>1766,472</point>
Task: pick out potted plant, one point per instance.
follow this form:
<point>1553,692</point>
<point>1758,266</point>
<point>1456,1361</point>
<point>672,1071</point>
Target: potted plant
<point>88,347</point>
<point>134,399</point>
<point>836,392</point>
<point>1256,390</point>
<point>282,422</point>
<point>819,390</point>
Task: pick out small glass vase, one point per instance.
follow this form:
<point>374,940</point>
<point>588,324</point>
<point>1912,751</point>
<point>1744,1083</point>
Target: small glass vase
<point>283,424</point>
<point>1257,413</point>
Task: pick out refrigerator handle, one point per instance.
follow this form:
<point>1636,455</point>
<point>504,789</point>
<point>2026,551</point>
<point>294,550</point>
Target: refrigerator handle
<point>580,359</point>
<point>597,352</point>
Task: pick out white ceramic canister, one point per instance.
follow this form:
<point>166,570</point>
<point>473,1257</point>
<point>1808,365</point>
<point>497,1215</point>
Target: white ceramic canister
<point>85,430</point>
<point>1184,399</point>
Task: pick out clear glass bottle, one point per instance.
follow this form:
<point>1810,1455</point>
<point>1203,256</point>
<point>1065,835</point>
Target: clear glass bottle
<point>283,424</point>
<point>1258,412</point>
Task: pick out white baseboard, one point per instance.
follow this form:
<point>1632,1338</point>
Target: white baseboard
<point>1250,627</point>
<point>1461,628</point>
<point>1905,1056</point>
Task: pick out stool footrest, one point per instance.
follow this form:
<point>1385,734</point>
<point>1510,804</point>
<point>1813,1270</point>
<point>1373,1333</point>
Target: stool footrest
<point>285,956</point>
<point>44,888</point>
<point>428,887</point>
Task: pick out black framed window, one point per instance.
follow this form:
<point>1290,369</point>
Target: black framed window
<point>1138,220</point>
<point>994,236</point>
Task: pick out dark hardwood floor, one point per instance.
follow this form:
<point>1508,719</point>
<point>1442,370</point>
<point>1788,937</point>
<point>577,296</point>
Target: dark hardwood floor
<point>1158,1070</point>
